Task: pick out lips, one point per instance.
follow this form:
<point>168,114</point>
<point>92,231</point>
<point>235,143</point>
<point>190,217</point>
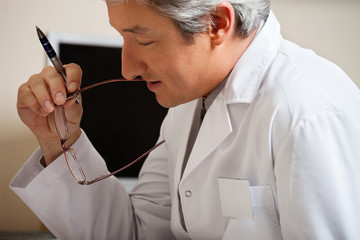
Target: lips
<point>152,86</point>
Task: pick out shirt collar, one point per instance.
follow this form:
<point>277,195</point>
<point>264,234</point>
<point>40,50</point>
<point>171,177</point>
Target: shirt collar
<point>210,99</point>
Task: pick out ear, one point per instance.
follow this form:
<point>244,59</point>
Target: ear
<point>223,23</point>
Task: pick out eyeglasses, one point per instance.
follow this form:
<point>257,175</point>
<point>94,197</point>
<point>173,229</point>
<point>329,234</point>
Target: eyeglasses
<point>71,160</point>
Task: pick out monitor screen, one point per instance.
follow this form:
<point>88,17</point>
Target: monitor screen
<point>122,120</point>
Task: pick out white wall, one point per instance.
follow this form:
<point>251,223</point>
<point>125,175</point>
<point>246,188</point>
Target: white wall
<point>330,27</point>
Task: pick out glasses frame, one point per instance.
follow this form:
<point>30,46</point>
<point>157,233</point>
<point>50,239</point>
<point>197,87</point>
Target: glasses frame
<point>62,130</point>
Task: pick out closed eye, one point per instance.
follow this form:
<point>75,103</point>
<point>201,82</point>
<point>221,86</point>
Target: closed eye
<point>145,43</point>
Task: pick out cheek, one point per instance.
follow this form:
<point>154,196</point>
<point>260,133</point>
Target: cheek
<point>170,68</point>
<point>182,70</point>
<point>187,77</point>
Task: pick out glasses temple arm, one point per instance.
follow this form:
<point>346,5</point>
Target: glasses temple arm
<point>123,168</point>
<point>76,93</point>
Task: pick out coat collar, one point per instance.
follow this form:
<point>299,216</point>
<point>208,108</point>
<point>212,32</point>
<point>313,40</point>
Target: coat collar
<point>247,76</point>
<point>241,87</point>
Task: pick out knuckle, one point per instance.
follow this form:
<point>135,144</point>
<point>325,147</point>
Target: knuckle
<point>47,69</point>
<point>25,97</point>
<point>36,80</point>
<point>24,90</point>
<point>33,79</point>
<point>73,69</point>
<point>49,72</point>
<point>21,94</point>
<point>23,87</point>
<point>35,83</point>
<point>36,75</point>
<point>73,65</point>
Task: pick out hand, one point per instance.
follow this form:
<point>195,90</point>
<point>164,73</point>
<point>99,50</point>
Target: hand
<point>36,99</point>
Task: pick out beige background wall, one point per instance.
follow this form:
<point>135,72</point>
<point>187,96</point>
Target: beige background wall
<point>330,27</point>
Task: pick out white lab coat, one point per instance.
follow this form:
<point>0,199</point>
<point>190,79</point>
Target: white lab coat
<point>287,121</point>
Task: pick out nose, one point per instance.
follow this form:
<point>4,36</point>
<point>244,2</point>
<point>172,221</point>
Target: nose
<point>132,63</point>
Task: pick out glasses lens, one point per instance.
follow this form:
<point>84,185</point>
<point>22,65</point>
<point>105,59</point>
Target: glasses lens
<point>74,165</point>
<point>60,122</point>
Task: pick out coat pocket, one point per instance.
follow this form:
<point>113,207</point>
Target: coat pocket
<point>265,224</point>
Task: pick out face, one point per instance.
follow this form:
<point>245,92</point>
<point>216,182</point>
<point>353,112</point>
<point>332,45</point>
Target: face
<point>175,70</point>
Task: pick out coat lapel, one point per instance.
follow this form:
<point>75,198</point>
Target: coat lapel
<point>215,128</point>
<point>184,140</point>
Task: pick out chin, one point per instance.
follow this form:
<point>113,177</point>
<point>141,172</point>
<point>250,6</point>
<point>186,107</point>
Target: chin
<point>167,103</point>
<point>171,102</point>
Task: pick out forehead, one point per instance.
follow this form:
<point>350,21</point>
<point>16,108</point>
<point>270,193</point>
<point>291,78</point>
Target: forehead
<point>134,17</point>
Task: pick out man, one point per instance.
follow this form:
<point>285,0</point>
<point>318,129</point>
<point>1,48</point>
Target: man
<point>262,137</point>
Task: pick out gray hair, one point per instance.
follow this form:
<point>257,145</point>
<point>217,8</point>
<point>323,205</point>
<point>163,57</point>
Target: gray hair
<point>193,16</point>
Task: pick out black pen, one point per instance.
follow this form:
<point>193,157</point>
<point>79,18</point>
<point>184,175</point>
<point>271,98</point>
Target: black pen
<point>53,56</point>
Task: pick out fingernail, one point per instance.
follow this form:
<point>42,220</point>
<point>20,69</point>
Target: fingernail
<point>48,106</point>
<point>72,86</point>
<point>60,98</point>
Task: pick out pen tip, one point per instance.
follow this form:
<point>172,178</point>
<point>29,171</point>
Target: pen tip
<point>39,32</point>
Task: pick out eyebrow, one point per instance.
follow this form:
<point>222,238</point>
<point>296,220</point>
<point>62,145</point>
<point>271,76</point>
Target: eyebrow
<point>136,29</point>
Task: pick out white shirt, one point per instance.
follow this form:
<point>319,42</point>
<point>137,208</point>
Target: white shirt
<point>287,121</point>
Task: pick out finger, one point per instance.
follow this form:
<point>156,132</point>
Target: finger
<point>73,75</point>
<point>26,99</point>
<point>55,83</point>
<point>40,90</point>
